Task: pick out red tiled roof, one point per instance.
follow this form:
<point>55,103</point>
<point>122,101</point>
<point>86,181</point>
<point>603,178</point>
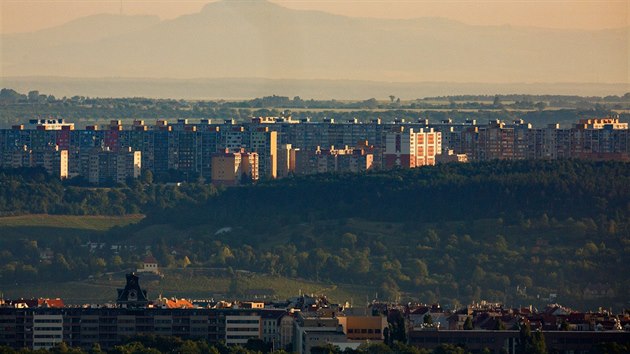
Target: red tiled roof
<point>179,304</point>
<point>150,259</point>
<point>57,303</point>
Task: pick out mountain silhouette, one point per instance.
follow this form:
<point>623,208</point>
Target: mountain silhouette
<point>259,39</point>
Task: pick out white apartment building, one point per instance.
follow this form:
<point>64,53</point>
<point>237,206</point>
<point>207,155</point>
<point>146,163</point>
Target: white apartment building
<point>47,331</point>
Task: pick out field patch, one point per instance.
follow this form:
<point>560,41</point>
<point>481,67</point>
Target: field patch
<point>82,222</point>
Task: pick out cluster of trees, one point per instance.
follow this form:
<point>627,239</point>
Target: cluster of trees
<point>503,231</point>
<point>33,191</point>
<point>527,102</point>
<point>9,96</point>
<point>164,344</point>
<point>16,107</point>
<point>564,100</point>
<point>507,189</point>
<point>457,231</point>
<point>528,343</point>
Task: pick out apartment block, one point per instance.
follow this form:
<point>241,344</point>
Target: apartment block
<point>363,327</point>
<point>404,148</point>
<point>241,328</point>
<point>107,166</point>
<point>312,330</point>
<point>42,328</point>
<point>332,160</point>
<point>188,147</point>
<point>47,330</point>
<point>449,156</point>
<point>286,160</point>
<point>52,159</point>
<point>264,142</point>
<point>234,168</point>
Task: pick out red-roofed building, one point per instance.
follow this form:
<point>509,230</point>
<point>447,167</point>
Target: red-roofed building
<point>34,303</point>
<point>149,265</point>
<point>174,303</point>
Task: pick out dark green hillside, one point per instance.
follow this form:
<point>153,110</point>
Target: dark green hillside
<point>466,232</point>
<point>32,191</point>
<point>511,190</point>
<point>515,232</point>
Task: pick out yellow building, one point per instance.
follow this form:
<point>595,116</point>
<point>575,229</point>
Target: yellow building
<point>363,327</point>
<point>234,168</point>
<point>286,160</point>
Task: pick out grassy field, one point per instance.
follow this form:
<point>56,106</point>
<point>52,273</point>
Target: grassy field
<point>181,283</point>
<point>84,222</point>
<point>52,226</point>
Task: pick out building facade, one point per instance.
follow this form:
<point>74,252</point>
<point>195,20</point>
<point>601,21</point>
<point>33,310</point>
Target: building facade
<point>234,168</point>
<point>188,147</point>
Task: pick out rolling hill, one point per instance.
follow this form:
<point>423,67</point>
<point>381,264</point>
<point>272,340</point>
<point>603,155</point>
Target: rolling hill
<point>258,39</point>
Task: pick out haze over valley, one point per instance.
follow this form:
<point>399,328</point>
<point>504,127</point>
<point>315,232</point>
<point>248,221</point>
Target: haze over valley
<point>267,47</point>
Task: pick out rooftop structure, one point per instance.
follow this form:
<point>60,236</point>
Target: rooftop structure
<point>187,146</point>
<point>50,124</point>
<point>132,296</point>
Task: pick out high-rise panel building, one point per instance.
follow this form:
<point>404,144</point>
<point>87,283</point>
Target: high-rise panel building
<point>106,166</point>
<point>234,168</point>
<point>264,142</point>
<point>187,149</point>
<point>52,159</point>
<point>286,160</point>
<point>405,148</point>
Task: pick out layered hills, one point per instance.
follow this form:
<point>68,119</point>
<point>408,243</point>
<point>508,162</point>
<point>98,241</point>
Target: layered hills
<point>259,39</point>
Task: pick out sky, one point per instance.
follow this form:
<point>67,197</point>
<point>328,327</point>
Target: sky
<point>31,15</point>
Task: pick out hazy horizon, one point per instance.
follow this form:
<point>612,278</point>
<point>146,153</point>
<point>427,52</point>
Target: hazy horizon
<point>234,88</point>
<point>402,42</point>
<point>26,16</point>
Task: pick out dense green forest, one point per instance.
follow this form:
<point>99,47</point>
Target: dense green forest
<point>516,232</point>
<point>18,108</point>
<point>33,191</point>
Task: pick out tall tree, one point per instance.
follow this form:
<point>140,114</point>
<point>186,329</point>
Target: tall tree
<point>468,324</point>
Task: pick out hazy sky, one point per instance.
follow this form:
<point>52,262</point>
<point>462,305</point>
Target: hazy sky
<point>31,15</point>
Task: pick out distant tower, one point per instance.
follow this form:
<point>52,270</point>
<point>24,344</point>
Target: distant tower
<point>132,296</point>
<point>121,8</point>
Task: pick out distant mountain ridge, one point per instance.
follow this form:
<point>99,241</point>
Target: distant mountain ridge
<point>259,39</point>
<point>247,88</point>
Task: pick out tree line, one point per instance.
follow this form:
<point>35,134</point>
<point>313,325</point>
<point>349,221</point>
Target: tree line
<point>527,343</point>
<point>33,191</point>
<point>17,108</point>
<point>501,231</point>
